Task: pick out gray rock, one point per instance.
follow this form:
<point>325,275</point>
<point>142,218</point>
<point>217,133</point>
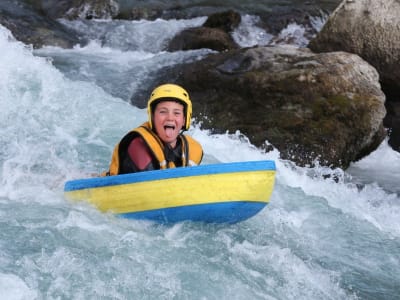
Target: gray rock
<point>370,29</point>
<point>214,34</point>
<point>32,28</point>
<point>327,107</point>
<point>226,21</point>
<point>78,9</point>
<point>202,37</point>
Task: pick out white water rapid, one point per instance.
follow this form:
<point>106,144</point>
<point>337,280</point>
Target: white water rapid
<point>62,111</point>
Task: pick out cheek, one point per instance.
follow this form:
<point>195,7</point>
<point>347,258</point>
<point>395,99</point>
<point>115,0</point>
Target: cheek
<point>156,123</point>
<point>157,119</point>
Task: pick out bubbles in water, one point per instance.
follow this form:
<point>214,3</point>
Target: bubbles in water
<point>248,34</point>
<point>14,288</point>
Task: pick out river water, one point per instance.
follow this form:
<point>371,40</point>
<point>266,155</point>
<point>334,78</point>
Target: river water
<point>62,111</point>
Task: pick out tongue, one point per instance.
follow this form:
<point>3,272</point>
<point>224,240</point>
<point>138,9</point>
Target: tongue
<point>169,132</point>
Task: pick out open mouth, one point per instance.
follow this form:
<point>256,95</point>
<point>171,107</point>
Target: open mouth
<point>169,127</point>
<point>169,131</point>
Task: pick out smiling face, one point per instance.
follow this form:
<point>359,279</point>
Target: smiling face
<point>168,120</point>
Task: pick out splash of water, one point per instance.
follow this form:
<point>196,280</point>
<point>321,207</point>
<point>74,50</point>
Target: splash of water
<point>318,239</point>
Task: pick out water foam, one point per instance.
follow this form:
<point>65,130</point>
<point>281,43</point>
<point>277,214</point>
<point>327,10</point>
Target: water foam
<point>308,243</point>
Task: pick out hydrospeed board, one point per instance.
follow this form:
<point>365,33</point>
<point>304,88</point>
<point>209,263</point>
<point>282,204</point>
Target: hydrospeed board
<point>217,193</point>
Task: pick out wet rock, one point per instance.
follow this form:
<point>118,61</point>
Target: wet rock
<point>392,121</point>
<point>202,37</point>
<point>93,9</point>
<point>139,13</point>
<point>280,18</point>
<point>150,10</point>
<point>214,34</point>
<point>327,107</point>
<point>371,30</point>
<point>29,26</point>
<point>35,22</point>
<point>78,9</point>
<point>226,21</point>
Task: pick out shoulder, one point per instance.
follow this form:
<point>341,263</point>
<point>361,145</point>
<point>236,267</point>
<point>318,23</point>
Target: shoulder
<point>138,145</point>
<point>139,153</point>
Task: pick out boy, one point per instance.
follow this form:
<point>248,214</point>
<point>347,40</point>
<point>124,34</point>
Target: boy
<point>160,142</point>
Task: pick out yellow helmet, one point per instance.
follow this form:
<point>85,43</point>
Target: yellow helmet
<point>175,92</point>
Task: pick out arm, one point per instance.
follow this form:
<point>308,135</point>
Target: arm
<point>140,155</point>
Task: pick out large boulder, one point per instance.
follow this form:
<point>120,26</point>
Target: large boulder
<point>367,28</point>
<point>327,107</point>
<point>370,29</point>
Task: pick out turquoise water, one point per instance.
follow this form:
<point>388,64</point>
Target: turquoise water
<point>318,239</point>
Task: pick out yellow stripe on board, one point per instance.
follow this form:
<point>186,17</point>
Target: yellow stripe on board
<point>226,187</point>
